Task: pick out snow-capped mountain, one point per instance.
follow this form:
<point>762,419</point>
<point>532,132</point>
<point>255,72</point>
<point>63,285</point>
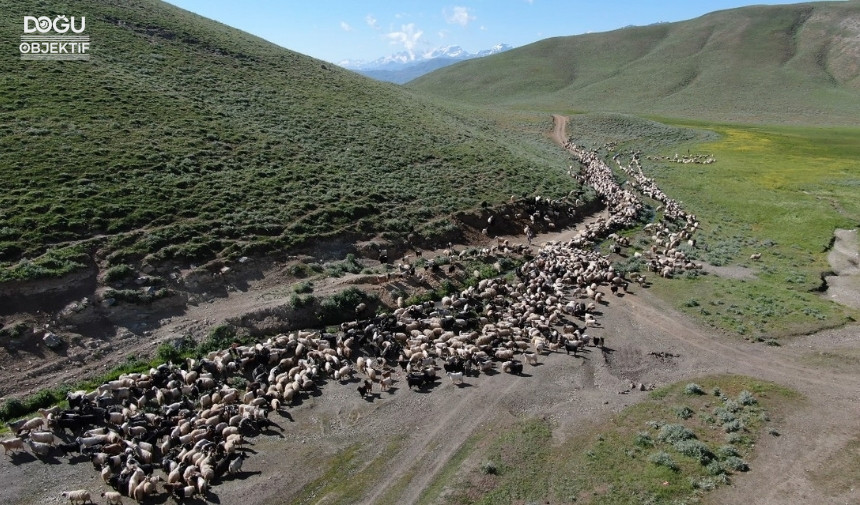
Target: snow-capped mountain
<point>403,67</point>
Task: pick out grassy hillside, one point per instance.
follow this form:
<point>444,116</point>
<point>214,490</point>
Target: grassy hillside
<point>185,139</point>
<point>788,63</point>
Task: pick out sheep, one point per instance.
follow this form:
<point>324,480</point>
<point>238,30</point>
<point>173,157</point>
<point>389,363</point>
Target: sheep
<point>236,465</point>
<point>78,496</point>
<point>456,377</point>
<point>40,449</point>
<point>755,256</point>
<point>45,437</point>
<point>13,444</point>
<point>33,424</point>
<point>513,367</point>
<point>112,497</point>
<point>531,358</point>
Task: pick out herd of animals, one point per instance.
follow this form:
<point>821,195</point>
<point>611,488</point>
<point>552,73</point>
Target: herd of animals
<point>180,428</point>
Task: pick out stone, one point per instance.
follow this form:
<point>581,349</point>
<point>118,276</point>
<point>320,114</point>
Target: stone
<point>52,340</point>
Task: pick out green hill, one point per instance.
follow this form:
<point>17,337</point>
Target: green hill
<point>787,63</point>
<point>185,139</point>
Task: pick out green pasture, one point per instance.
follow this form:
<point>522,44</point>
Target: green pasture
<point>778,191</point>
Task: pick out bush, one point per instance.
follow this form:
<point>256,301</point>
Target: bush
<point>643,439</point>
<point>733,426</point>
<point>727,451</point>
<point>723,415</point>
<point>663,459</point>
<point>489,468</point>
<point>717,392</point>
<point>221,337</point>
<point>12,409</point>
<point>693,389</point>
<point>304,287</point>
<point>169,353</point>
<point>694,449</point>
<point>118,273</point>
<point>683,411</point>
<point>672,433</point>
<point>715,468</point>
<point>298,301</point>
<point>735,463</point>
<point>746,398</point>
<point>731,406</point>
<point>340,307</point>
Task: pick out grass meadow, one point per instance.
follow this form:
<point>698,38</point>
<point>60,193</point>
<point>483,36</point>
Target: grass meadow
<point>778,191</point>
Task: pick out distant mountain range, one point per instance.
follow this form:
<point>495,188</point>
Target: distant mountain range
<point>402,67</point>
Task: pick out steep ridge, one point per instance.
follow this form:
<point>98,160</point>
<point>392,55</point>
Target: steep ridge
<point>783,64</point>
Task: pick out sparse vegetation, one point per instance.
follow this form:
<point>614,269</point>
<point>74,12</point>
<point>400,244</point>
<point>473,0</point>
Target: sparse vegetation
<point>688,457</point>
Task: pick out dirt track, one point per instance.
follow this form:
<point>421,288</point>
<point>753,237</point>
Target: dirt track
<point>573,392</point>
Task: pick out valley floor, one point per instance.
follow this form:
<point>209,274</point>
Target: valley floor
<point>410,442</point>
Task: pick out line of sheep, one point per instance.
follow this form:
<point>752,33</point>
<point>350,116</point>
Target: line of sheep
<point>183,426</point>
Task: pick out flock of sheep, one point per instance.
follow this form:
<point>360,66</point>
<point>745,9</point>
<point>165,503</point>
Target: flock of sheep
<point>179,428</point>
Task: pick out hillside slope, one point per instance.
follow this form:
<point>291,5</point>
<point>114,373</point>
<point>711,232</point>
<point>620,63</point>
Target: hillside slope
<point>184,139</point>
<point>786,63</point>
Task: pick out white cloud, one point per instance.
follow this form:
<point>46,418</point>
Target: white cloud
<point>530,1</point>
<point>458,16</point>
<point>442,34</point>
<point>345,26</point>
<point>407,37</point>
<point>371,21</point>
<point>483,28</point>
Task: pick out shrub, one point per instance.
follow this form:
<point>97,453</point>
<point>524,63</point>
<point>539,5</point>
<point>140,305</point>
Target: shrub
<point>746,398</point>
<point>237,382</point>
<point>715,468</point>
<point>299,270</point>
<point>735,463</point>
<point>298,301</point>
<point>693,389</point>
<point>717,392</point>
<point>489,468</point>
<point>12,409</point>
<point>694,449</point>
<point>169,353</point>
<point>663,459</point>
<point>221,337</point>
<point>731,406</point>
<point>643,439</point>
<point>727,451</point>
<point>341,306</point>
<point>733,426</point>
<point>304,287</point>
<point>683,411</point>
<point>723,415</point>
<point>118,273</point>
<point>672,433</point>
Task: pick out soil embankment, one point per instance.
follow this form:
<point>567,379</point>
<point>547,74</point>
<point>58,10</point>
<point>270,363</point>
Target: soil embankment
<point>844,258</point>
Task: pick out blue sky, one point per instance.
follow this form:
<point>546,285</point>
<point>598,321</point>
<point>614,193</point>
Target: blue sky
<point>366,30</point>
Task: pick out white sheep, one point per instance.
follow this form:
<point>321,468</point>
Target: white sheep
<point>456,377</point>
<point>112,497</point>
<point>78,496</point>
<point>13,444</point>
